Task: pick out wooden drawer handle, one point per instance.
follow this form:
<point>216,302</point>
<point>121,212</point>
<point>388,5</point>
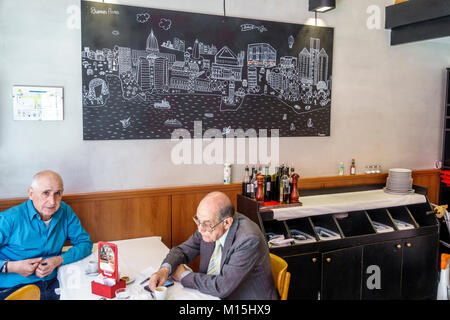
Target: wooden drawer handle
<point>328,259</point>
<point>399,246</point>
<point>314,260</point>
<point>408,244</point>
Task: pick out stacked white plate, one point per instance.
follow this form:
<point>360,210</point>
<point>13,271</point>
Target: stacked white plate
<point>399,181</point>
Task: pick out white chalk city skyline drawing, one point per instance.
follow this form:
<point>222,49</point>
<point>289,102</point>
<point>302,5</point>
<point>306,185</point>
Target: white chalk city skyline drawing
<point>301,82</point>
<point>150,69</point>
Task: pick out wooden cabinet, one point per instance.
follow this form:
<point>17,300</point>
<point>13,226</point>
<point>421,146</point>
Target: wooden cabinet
<point>382,270</point>
<point>341,274</point>
<point>307,269</point>
<point>361,262</point>
<point>404,268</point>
<point>419,267</point>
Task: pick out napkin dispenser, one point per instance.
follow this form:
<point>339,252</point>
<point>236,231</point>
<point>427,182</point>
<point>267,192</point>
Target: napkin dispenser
<point>108,269</point>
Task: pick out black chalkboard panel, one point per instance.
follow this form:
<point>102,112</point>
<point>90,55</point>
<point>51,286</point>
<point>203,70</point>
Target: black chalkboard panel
<point>147,72</point>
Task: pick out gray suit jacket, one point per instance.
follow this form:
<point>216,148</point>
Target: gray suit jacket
<point>245,266</point>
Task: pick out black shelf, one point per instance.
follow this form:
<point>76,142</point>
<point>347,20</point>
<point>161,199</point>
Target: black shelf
<point>418,20</point>
<point>337,267</point>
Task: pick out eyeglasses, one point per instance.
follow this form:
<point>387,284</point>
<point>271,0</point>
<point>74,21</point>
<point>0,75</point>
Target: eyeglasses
<point>206,225</point>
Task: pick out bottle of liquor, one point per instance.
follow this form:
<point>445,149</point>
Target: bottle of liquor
<point>267,185</point>
<point>290,178</point>
<point>285,191</point>
<point>246,183</point>
<point>280,189</point>
<point>274,186</point>
<point>294,192</point>
<point>353,168</point>
<point>253,184</point>
<point>279,185</point>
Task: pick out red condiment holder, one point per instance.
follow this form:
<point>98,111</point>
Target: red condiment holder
<point>108,267</point>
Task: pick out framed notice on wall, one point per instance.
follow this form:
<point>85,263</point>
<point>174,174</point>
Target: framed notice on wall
<point>38,103</point>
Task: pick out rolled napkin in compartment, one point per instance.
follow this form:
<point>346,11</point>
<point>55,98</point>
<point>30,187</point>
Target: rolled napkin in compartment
<point>301,237</point>
<point>326,234</point>
<point>402,225</point>
<point>278,240</point>
<point>380,227</point>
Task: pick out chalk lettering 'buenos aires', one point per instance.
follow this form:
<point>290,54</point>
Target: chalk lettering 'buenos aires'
<point>98,11</point>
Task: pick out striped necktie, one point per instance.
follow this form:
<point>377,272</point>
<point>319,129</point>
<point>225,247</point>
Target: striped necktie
<point>214,262</point>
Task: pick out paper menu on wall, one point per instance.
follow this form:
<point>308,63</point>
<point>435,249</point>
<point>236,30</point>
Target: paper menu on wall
<point>38,103</point>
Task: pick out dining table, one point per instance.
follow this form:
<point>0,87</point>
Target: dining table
<point>138,258</point>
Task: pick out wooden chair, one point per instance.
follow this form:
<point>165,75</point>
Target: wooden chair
<point>281,277</point>
<point>28,292</point>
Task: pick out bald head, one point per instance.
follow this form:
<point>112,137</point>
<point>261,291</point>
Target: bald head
<point>44,176</point>
<point>215,210</point>
<point>219,203</point>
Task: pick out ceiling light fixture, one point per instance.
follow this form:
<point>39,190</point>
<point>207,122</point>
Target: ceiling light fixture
<point>321,5</point>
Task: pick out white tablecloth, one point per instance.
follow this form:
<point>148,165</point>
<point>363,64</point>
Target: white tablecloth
<point>138,259</point>
<point>346,202</point>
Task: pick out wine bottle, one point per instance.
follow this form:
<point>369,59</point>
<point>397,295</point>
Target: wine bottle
<point>274,186</point>
<point>253,184</point>
<point>285,187</point>
<point>246,183</point>
<point>267,185</point>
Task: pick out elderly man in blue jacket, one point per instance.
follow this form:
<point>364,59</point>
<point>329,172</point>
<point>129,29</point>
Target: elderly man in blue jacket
<point>33,234</point>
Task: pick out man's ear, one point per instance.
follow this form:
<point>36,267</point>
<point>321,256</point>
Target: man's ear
<point>30,192</point>
<point>229,222</point>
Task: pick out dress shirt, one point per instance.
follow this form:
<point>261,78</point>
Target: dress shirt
<point>221,240</point>
<point>23,235</point>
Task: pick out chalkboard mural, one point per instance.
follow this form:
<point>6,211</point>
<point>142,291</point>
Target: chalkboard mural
<point>147,72</point>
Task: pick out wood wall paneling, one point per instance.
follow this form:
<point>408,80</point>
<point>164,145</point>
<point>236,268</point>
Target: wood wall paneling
<point>430,179</point>
<point>167,212</point>
<point>126,218</point>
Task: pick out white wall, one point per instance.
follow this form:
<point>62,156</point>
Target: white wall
<point>387,102</point>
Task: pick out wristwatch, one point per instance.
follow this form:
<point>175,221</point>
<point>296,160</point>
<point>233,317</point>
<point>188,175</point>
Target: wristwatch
<point>4,268</point>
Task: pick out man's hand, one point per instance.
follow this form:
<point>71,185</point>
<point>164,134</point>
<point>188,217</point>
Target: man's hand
<point>48,265</point>
<point>158,278</point>
<point>24,267</point>
<point>178,272</point>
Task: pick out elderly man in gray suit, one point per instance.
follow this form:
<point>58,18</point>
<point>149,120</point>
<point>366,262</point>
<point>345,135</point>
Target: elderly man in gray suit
<point>234,257</point>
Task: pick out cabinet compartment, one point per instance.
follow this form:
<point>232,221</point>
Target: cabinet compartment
<point>354,223</point>
<point>419,213</point>
<point>325,222</point>
<point>401,214</point>
<point>299,226</point>
<point>275,227</point>
<point>383,217</point>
